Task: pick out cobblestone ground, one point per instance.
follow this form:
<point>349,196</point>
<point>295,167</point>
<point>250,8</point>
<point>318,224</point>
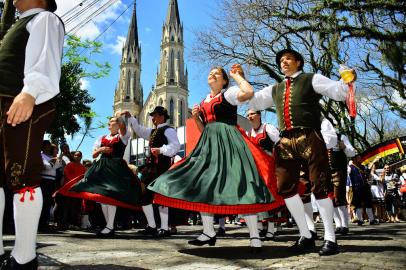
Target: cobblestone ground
<point>366,247</point>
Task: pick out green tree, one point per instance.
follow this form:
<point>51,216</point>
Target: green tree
<point>327,33</point>
<point>73,101</point>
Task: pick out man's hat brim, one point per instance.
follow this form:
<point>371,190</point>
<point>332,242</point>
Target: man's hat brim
<point>297,55</point>
<point>161,111</point>
<point>51,5</point>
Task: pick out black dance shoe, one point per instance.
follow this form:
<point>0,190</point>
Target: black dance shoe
<point>163,233</point>
<point>148,231</point>
<point>196,242</point>
<point>328,248</point>
<point>314,235</point>
<point>303,244</point>
<point>255,250</point>
<point>221,232</point>
<point>269,237</point>
<point>344,231</point>
<point>105,235</point>
<point>374,222</point>
<point>11,264</point>
<point>338,230</point>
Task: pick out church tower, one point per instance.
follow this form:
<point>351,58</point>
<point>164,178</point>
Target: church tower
<point>171,86</point>
<point>129,93</point>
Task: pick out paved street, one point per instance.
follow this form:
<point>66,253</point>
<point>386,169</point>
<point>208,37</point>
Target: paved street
<point>366,247</point>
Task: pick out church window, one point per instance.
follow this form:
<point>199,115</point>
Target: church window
<point>128,89</point>
<point>181,113</point>
<point>161,102</point>
<point>171,110</point>
<point>172,65</point>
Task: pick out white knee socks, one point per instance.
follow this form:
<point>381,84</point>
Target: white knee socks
<point>358,213</point>
<point>370,214</point>
<point>110,213</point>
<point>149,214</point>
<point>208,226</point>
<point>308,208</point>
<point>326,213</point>
<point>252,224</point>
<point>26,218</point>
<point>343,211</point>
<point>222,223</point>
<point>337,218</point>
<point>296,209</point>
<point>164,215</point>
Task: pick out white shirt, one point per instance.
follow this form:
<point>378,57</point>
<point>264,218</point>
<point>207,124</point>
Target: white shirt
<point>50,168</point>
<point>169,149</point>
<point>272,132</point>
<point>349,150</point>
<point>336,90</point>
<point>230,94</point>
<point>329,133</point>
<point>43,55</point>
<point>124,138</point>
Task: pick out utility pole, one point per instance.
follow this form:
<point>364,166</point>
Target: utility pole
<point>7,17</point>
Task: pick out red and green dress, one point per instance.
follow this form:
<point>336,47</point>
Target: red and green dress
<point>109,180</point>
<point>226,173</point>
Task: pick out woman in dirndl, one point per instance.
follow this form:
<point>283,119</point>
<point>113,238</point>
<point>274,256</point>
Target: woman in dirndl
<point>109,180</point>
<point>226,173</point>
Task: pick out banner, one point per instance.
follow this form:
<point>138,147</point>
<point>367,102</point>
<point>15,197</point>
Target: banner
<point>397,145</point>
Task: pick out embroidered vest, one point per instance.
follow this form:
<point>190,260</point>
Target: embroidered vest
<point>218,110</point>
<point>299,107</point>
<point>12,58</point>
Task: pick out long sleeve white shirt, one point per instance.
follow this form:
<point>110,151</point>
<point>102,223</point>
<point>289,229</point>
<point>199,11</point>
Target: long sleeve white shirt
<point>336,90</point>
<point>349,150</point>
<point>329,133</point>
<point>43,55</point>
<point>169,149</point>
<point>272,132</point>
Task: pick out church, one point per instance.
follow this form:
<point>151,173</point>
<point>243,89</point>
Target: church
<point>171,82</point>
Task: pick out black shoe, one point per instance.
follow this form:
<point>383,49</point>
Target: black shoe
<point>314,235</point>
<point>360,222</point>
<point>328,248</point>
<point>262,233</point>
<point>163,233</point>
<point>255,250</point>
<point>303,244</point>
<point>339,230</point>
<point>11,264</point>
<point>221,232</point>
<point>149,231</point>
<point>374,222</point>
<point>344,231</point>
<point>269,237</point>
<point>196,242</point>
<point>105,235</point>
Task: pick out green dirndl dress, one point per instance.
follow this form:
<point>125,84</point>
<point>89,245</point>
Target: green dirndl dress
<point>109,180</point>
<point>220,175</point>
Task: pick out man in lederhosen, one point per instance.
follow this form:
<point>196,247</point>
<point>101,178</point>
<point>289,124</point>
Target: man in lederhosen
<point>30,69</point>
<point>163,145</point>
<point>299,116</point>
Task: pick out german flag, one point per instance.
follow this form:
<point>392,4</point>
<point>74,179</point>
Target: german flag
<point>397,145</point>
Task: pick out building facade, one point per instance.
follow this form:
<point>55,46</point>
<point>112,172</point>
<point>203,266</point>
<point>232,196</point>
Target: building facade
<point>171,83</point>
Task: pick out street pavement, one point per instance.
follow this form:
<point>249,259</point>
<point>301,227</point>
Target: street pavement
<point>366,247</point>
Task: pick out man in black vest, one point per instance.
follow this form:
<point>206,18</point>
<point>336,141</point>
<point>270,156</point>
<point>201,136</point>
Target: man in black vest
<point>339,166</point>
<point>163,145</point>
<point>30,69</point>
<point>299,116</point>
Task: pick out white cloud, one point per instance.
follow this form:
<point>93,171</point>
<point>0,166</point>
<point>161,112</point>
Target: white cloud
<point>85,84</point>
<point>118,46</point>
<point>94,27</point>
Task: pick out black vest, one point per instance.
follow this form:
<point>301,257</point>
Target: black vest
<point>157,139</point>
<point>303,103</point>
<point>12,58</point>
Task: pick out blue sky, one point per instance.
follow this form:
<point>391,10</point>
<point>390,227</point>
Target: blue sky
<point>194,14</point>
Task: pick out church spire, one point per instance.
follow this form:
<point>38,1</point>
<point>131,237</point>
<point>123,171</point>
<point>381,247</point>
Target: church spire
<point>172,16</point>
<point>132,36</point>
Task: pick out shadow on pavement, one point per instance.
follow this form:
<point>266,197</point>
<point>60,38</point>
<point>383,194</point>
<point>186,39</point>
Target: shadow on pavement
<point>101,267</point>
<point>370,249</point>
<point>239,252</point>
